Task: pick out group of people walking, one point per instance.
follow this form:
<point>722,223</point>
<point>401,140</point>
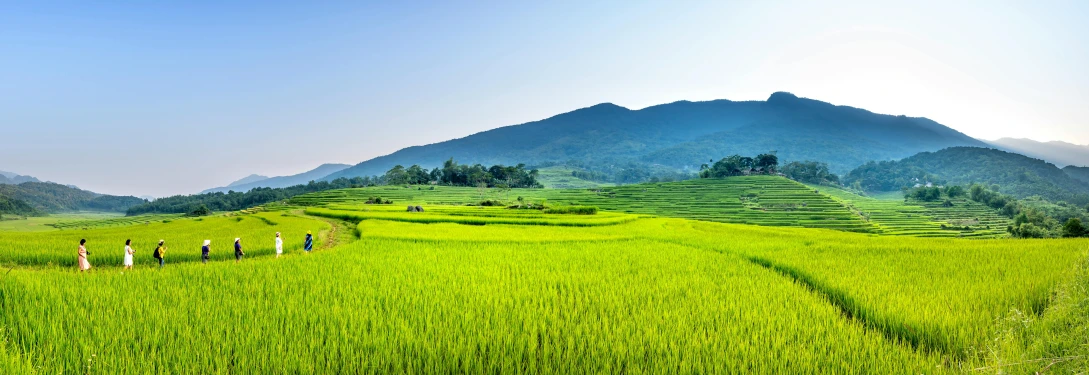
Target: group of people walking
<point>205,249</point>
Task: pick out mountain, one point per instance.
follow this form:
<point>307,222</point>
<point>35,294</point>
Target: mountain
<point>1056,152</point>
<point>283,181</point>
<point>1078,173</point>
<point>12,178</point>
<point>1014,174</point>
<point>684,134</point>
<point>52,197</point>
<point>248,180</point>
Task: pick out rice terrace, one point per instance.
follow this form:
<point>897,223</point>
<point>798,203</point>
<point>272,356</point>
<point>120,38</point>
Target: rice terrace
<point>442,188</point>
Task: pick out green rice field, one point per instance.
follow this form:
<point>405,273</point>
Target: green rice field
<point>748,281</point>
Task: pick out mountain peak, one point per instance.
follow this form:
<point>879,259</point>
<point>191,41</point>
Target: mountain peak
<point>782,96</point>
<point>607,107</point>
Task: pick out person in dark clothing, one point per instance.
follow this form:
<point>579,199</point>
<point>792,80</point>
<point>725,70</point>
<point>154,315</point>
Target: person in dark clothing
<point>238,250</point>
<point>160,253</point>
<point>309,244</point>
<point>204,251</point>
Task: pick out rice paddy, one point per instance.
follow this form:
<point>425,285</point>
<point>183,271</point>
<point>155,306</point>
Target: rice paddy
<point>468,289</point>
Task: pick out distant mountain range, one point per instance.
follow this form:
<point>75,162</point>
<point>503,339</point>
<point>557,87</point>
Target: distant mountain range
<point>682,135</point>
<point>1057,152</point>
<point>255,181</point>
<point>13,178</point>
<point>248,180</point>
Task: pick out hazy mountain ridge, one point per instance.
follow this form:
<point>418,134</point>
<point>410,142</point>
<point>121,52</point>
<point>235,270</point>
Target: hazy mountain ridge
<point>14,178</point>
<point>684,134</point>
<point>248,180</point>
<point>1056,152</point>
<point>282,181</point>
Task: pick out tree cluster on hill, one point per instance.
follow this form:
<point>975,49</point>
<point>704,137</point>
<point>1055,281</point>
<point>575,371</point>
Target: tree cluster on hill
<point>51,197</point>
<point>1016,175</point>
<point>810,172</point>
<point>454,174</point>
<point>233,200</point>
<point>737,165</point>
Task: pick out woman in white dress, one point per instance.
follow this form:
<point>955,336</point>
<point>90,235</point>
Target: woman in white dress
<point>129,252</point>
<point>279,245</point>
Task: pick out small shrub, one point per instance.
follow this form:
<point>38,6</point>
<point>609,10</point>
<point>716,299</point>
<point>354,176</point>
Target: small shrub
<point>572,210</point>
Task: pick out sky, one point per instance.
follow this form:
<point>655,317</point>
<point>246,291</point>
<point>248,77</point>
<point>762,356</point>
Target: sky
<point>161,98</point>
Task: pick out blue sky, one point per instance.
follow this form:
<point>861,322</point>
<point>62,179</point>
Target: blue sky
<point>164,98</point>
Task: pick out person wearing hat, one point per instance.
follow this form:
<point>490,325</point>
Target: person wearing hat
<point>160,253</point>
<point>204,251</point>
<point>279,245</point>
<point>238,250</point>
<point>309,243</point>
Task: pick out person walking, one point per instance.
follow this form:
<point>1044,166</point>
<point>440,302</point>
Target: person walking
<point>129,253</point>
<point>279,245</point>
<point>204,251</point>
<point>160,253</point>
<point>309,243</point>
<point>82,254</point>
<point>238,250</point>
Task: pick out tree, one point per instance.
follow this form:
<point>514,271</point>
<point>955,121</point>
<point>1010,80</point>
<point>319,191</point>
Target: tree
<point>397,175</point>
<point>1074,228</point>
<point>767,161</point>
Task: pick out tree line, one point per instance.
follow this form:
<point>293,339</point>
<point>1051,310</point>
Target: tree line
<point>737,165</point>
<point>453,174</point>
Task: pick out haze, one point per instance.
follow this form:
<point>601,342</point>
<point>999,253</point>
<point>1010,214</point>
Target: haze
<point>161,99</point>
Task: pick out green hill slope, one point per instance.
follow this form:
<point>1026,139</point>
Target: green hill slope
<point>51,197</point>
<point>1014,174</point>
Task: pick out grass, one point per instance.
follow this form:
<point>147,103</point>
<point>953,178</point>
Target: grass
<point>424,307</point>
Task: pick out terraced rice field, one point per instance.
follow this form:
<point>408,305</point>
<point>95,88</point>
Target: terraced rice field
<point>759,200</point>
<point>924,219</point>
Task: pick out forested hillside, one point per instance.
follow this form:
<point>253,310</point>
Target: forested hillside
<point>1013,174</point>
<point>51,197</point>
<point>1078,173</point>
<point>682,135</point>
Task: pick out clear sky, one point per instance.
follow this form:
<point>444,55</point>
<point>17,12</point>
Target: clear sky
<point>163,98</point>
